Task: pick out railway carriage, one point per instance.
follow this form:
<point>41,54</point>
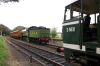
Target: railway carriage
<point>80,41</point>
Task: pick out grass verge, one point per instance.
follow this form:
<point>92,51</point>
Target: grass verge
<point>57,39</point>
<point>3,51</point>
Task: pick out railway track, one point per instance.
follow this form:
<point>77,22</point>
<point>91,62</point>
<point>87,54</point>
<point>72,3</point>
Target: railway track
<point>48,47</point>
<point>45,57</point>
<point>53,46</point>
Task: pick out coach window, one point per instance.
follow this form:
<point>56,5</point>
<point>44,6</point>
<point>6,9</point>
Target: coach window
<point>76,14</point>
<point>68,14</point>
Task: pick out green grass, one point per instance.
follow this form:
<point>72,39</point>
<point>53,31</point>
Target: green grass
<point>58,39</point>
<point>3,51</point>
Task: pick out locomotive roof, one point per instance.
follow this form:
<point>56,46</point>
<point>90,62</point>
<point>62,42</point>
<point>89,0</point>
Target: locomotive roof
<point>34,27</point>
<point>89,6</point>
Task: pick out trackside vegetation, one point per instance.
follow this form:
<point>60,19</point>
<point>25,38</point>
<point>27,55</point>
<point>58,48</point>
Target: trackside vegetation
<point>3,51</point>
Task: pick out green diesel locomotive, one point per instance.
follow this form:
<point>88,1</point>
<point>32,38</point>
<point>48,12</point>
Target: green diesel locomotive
<point>80,39</point>
<point>37,34</point>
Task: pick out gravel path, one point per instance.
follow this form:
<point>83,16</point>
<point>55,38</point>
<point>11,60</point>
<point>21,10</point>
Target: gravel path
<point>17,58</point>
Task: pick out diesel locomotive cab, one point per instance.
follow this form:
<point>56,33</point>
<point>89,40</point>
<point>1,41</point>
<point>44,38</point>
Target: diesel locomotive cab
<point>81,39</point>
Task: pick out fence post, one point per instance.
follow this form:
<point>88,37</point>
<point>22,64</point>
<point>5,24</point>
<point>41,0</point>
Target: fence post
<point>30,59</point>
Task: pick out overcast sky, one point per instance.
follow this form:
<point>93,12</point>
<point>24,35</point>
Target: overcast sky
<point>48,13</point>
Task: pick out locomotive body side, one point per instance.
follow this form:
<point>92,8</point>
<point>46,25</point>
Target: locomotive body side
<point>44,35</point>
<point>39,35</point>
<point>34,33</point>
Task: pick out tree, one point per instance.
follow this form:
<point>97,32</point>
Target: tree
<point>5,30</point>
<point>6,1</point>
<point>19,28</point>
<point>53,32</point>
